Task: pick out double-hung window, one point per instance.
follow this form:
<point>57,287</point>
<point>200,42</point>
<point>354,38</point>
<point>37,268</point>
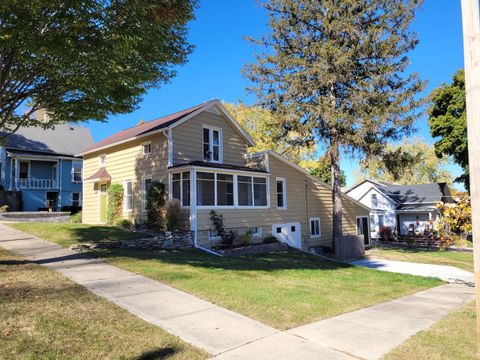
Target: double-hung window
<point>102,160</point>
<point>146,182</point>
<point>315,227</point>
<point>373,225</point>
<point>128,195</point>
<point>374,200</point>
<point>76,199</point>
<point>212,144</point>
<point>281,193</point>
<point>147,148</point>
<point>181,187</point>
<point>76,172</point>
<point>381,221</point>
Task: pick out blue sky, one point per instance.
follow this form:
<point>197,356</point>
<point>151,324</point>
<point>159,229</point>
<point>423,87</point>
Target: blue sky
<point>214,68</point>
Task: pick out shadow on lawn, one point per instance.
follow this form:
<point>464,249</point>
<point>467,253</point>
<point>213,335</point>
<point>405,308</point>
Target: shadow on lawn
<point>284,260</point>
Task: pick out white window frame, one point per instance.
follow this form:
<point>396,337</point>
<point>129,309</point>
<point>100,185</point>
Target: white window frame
<point>73,171</point>
<point>213,238</point>
<point>79,197</point>
<point>319,227</point>
<point>256,234</point>
<point>170,187</point>
<point>125,194</point>
<point>374,196</point>
<point>235,190</point>
<point>144,192</point>
<point>102,163</point>
<point>284,193</point>
<point>210,144</point>
<point>149,145</point>
<point>382,224</point>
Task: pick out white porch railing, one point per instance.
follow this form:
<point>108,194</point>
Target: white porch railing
<point>35,184</point>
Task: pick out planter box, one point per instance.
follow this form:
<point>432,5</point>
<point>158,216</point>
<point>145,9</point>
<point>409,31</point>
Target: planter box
<point>253,249</point>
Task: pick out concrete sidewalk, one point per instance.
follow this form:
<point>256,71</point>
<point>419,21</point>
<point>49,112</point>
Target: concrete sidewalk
<point>367,333</point>
<point>446,273</point>
<point>198,322</point>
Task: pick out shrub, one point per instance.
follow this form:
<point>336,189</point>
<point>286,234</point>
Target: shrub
<point>3,208</point>
<point>124,224</point>
<point>114,204</point>
<point>386,233</point>
<point>172,214</point>
<point>76,218</point>
<point>247,238</point>
<point>227,237</point>
<point>155,205</point>
<point>270,239</point>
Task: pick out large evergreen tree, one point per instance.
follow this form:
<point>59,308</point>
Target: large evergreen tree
<point>448,123</point>
<point>335,72</point>
<point>86,59</point>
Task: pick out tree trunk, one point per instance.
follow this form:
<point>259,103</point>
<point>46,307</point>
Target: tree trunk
<point>336,193</point>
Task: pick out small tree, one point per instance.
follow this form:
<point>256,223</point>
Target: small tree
<point>457,216</point>
<point>156,198</point>
<point>114,205</point>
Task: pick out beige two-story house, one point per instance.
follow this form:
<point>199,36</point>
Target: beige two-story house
<point>201,155</point>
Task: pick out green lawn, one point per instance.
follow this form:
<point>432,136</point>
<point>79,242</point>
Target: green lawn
<point>453,337</point>
<point>43,315</point>
<point>462,260</point>
<point>283,290</point>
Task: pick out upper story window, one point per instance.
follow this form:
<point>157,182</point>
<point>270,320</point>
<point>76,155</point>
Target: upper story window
<point>374,201</point>
<point>102,160</point>
<point>147,148</point>
<point>281,193</point>
<point>76,199</point>
<point>212,144</point>
<point>76,172</point>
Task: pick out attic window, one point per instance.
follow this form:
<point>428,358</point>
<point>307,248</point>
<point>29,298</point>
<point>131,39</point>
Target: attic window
<point>147,148</point>
<point>102,160</point>
<point>212,144</point>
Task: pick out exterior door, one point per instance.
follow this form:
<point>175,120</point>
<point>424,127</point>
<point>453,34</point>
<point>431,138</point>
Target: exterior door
<point>103,204</point>
<point>363,229</point>
<point>288,233</point>
<point>51,200</point>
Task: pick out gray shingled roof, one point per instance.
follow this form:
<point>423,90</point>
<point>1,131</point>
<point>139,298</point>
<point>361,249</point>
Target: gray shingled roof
<point>65,139</point>
<point>417,194</point>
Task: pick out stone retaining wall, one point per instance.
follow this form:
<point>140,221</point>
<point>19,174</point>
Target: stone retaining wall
<point>168,241</point>
<point>35,216</point>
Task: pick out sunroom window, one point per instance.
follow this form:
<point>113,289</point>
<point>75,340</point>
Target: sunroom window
<point>181,187</point>
<point>205,189</point>
<point>224,190</point>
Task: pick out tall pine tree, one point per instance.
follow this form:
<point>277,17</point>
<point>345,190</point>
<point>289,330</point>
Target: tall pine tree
<point>335,73</point>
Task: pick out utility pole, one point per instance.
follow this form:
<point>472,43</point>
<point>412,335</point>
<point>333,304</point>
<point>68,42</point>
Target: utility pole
<point>471,51</point>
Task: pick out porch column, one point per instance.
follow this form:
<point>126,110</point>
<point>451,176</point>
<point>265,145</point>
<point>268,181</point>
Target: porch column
<point>60,172</point>
<point>17,173</point>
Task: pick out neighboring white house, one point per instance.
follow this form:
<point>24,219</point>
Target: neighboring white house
<point>400,207</point>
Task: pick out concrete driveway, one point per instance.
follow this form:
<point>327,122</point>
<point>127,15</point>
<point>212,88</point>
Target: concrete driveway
<point>449,274</point>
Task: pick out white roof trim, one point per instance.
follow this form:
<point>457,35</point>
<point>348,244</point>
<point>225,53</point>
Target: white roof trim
<point>205,107</point>
<point>305,172</point>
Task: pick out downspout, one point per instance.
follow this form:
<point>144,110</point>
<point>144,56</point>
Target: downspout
<point>306,208</point>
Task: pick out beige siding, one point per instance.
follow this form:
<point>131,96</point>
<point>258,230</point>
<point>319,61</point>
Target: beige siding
<point>188,141</point>
<point>305,200</point>
<point>125,162</point>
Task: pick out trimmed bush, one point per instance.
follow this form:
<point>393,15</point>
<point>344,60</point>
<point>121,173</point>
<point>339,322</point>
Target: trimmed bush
<point>172,214</point>
<point>124,224</point>
<point>270,239</point>
<point>114,204</point>
<point>155,203</point>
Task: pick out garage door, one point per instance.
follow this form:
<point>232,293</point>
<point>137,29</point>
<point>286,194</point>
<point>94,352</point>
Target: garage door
<point>289,233</point>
